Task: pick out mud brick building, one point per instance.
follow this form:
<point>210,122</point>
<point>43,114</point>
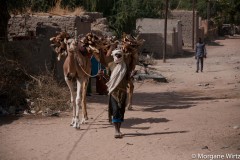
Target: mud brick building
<point>30,35</point>
<point>152,31</point>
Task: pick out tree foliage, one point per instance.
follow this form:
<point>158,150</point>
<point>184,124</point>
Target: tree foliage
<point>221,11</point>
<point>15,7</point>
<point>122,14</point>
<point>5,7</point>
<point>42,5</point>
<point>229,11</point>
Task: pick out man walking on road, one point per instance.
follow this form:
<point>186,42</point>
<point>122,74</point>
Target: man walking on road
<point>200,53</point>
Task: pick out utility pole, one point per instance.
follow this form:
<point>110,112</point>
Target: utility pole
<point>165,32</point>
<point>208,15</point>
<point>193,24</point>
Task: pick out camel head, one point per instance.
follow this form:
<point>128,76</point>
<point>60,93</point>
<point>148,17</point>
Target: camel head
<point>71,45</point>
<point>131,44</point>
<point>58,44</point>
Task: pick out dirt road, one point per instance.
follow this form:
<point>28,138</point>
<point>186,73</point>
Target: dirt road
<point>194,116</point>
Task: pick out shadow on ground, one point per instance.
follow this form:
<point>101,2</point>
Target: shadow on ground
<point>236,36</point>
<point>214,43</point>
<point>147,102</point>
<point>159,101</point>
<point>154,102</point>
<point>154,133</point>
<point>131,122</point>
<point>187,52</point>
<point>8,119</point>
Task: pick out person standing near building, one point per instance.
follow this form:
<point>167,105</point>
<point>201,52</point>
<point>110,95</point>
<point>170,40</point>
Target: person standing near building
<point>200,54</point>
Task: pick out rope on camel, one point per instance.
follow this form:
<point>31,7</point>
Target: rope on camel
<point>88,73</point>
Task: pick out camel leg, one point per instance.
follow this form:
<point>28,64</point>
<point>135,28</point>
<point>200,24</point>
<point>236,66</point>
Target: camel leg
<point>70,86</point>
<point>130,94</point>
<point>83,101</point>
<point>78,99</point>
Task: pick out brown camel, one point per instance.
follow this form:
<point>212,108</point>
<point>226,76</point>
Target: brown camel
<point>77,66</point>
<point>130,46</point>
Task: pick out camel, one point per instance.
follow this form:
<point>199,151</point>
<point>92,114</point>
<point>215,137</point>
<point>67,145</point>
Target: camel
<point>107,45</point>
<point>77,65</point>
<point>130,46</point>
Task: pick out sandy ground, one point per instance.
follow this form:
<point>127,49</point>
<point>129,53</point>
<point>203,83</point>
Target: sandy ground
<point>194,116</point>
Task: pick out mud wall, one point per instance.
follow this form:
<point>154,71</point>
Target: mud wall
<point>186,17</point>
<point>29,34</point>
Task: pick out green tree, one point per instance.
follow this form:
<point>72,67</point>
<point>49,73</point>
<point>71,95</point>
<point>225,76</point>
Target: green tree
<point>184,4</point>
<point>122,14</point>
<point>4,20</point>
<point>229,10</point>
<point>71,4</point>
<point>42,5</point>
<point>221,11</point>
<point>125,13</point>
<point>8,7</point>
<point>12,6</point>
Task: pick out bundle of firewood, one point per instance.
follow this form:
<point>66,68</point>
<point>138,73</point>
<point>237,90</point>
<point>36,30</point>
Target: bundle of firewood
<point>128,42</point>
<point>59,38</point>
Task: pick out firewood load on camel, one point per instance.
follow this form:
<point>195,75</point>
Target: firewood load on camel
<point>77,64</point>
<point>129,45</point>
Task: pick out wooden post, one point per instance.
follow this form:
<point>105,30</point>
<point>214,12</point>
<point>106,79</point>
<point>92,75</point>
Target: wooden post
<point>208,15</point>
<point>193,24</point>
<point>165,33</point>
<point>174,44</point>
<point>75,34</point>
